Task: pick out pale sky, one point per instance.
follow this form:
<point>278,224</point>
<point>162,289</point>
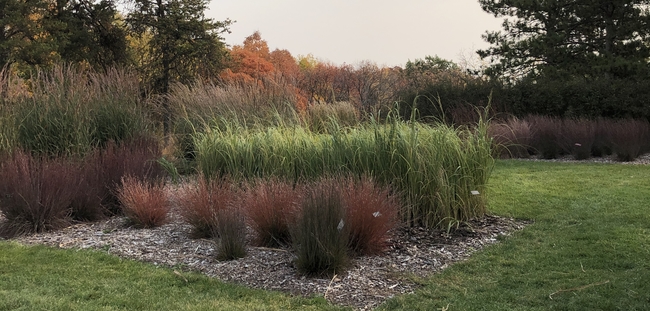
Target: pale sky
<point>387,32</point>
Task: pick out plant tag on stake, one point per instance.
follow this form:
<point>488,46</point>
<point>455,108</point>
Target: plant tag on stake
<point>474,192</point>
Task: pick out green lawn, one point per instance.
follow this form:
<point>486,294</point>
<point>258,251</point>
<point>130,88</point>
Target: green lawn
<point>41,278</point>
<point>589,249</point>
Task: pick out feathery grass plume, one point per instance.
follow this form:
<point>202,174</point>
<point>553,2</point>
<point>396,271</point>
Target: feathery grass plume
<point>36,193</point>
<point>200,203</point>
<point>320,236</point>
<point>144,203</point>
<point>265,102</point>
<point>372,211</point>
<point>629,138</point>
<point>11,87</point>
<point>271,205</point>
<point>231,233</point>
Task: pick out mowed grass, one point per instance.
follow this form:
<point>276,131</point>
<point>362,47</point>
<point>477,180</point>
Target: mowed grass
<point>589,248</point>
<point>41,278</point>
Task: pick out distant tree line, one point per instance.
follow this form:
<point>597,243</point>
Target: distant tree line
<point>575,58</point>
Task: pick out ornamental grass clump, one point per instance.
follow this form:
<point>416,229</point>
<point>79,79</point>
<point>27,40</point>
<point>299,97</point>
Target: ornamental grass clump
<point>88,204</point>
<point>36,193</point>
<point>577,137</point>
<point>326,117</point>
<point>545,139</point>
<point>629,138</point>
<point>230,231</point>
<point>144,203</point>
<point>271,206</point>
<point>68,111</point>
<point>372,212</point>
<point>135,157</point>
<point>511,139</point>
<point>602,137</point>
<point>201,202</point>
<point>320,236</point>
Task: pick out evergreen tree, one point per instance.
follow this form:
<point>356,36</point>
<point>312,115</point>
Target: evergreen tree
<point>86,30</point>
<point>41,32</point>
<point>23,39</point>
<point>568,38</point>
<point>182,42</point>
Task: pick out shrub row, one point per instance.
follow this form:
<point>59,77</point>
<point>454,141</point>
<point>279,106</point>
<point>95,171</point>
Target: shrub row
<point>551,137</point>
<point>440,171</point>
<point>572,97</point>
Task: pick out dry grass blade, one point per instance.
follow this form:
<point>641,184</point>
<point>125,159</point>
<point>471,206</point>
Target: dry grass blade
<point>576,288</point>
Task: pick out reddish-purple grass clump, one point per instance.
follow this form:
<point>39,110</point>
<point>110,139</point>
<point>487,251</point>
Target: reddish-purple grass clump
<point>271,206</point>
<point>87,204</point>
<point>145,204</point>
<point>546,134</point>
<point>629,138</point>
<point>201,202</point>
<point>36,193</point>
<point>512,138</point>
<point>578,137</point>
<point>602,138</point>
<point>371,213</point>
<point>136,158</point>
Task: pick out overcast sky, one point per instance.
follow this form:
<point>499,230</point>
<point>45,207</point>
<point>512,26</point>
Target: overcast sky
<point>387,32</point>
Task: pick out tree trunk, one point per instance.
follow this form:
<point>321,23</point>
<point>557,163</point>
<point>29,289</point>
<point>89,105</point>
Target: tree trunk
<point>163,85</point>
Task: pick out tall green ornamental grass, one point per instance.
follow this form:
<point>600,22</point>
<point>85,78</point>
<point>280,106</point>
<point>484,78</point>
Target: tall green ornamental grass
<point>68,111</point>
<point>201,105</point>
<point>440,171</point>
<point>320,235</point>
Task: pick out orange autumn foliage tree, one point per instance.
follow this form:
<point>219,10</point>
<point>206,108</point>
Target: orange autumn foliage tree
<point>253,63</point>
<point>250,61</point>
<point>285,64</point>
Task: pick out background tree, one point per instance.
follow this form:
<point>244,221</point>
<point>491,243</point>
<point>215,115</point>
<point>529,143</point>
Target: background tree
<point>431,70</point>
<point>41,32</point>
<point>182,44</point>
<point>251,60</point>
<point>86,30</point>
<point>582,38</point>
<point>23,38</point>
<point>285,64</point>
